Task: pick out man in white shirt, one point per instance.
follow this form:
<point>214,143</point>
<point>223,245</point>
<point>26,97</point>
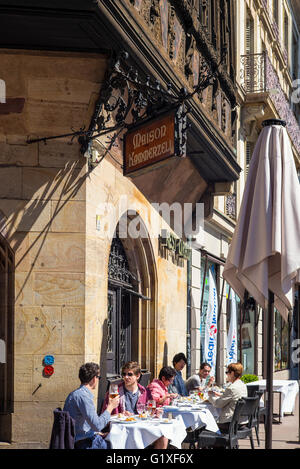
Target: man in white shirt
<point>199,381</point>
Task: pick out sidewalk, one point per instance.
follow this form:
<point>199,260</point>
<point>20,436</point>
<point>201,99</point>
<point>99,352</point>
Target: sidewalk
<point>284,435</point>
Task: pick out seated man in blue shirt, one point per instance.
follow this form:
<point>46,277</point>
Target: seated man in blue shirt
<point>178,386</point>
<point>81,407</point>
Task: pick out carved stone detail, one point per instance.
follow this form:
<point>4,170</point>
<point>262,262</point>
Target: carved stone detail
<point>250,115</point>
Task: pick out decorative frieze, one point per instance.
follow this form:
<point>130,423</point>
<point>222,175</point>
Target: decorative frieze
<point>184,30</point>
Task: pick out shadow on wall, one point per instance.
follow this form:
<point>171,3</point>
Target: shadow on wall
<point>46,192</point>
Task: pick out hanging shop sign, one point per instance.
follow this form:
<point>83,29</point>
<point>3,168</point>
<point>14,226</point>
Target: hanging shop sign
<point>175,245</point>
<point>154,141</point>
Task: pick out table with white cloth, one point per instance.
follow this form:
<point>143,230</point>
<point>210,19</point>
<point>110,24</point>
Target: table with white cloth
<point>288,390</point>
<point>195,417</point>
<point>141,434</point>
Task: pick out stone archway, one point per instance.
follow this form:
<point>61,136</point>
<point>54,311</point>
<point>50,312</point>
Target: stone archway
<point>137,292</point>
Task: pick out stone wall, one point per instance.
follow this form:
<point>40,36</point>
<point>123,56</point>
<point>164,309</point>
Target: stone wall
<point>48,207</point>
<point>42,200</point>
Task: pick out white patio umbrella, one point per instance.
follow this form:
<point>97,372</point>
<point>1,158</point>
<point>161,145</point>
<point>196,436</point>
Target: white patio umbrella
<point>264,255</point>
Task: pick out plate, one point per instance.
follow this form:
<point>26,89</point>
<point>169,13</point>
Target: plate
<point>166,421</point>
<point>169,408</point>
<point>123,421</point>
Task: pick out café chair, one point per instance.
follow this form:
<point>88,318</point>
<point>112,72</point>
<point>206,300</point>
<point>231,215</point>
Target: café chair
<point>145,378</point>
<point>192,436</point>
<point>262,411</point>
<point>228,440</point>
<point>249,414</point>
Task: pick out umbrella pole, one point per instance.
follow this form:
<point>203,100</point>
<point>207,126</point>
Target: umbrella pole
<point>270,352</point>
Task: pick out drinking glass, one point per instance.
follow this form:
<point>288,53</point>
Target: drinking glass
<point>151,406</point>
<point>140,408</point>
<point>113,391</point>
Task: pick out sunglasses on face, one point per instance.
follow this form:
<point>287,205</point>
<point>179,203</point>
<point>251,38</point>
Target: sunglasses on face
<point>128,374</point>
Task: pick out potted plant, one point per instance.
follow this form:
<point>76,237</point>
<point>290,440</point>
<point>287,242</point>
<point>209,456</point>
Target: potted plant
<point>249,378</point>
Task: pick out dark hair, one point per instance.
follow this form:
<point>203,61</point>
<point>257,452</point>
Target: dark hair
<point>203,365</point>
<point>88,371</point>
<point>167,371</point>
<point>133,366</point>
<point>178,357</point>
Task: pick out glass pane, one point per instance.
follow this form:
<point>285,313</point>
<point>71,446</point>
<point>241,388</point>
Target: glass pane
<point>248,341</point>
<point>277,344</point>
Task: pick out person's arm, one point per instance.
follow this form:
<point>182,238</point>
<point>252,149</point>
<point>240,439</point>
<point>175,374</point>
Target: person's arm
<point>157,395</point>
<point>97,422</point>
<point>221,401</point>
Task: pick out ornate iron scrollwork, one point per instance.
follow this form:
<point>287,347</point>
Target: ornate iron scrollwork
<point>126,99</point>
<point>118,268</point>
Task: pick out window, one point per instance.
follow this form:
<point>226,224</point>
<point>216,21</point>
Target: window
<point>295,51</point>
<point>282,342</point>
<point>286,32</point>
<point>247,336</point>
<point>246,331</point>
<point>248,156</point>
<point>275,11</point>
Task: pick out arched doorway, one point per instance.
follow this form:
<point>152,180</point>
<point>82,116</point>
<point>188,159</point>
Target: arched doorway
<point>6,337</point>
<point>131,318</point>
<point>119,308</point>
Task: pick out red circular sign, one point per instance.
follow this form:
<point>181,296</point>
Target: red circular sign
<point>48,370</point>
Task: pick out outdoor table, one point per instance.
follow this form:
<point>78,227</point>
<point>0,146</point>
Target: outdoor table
<point>141,434</point>
<point>288,390</point>
<point>194,418</point>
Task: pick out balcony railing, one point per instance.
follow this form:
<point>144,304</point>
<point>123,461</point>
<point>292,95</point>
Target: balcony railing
<point>259,76</point>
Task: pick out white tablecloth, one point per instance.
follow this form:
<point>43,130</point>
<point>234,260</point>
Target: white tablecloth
<point>288,389</point>
<point>141,434</point>
<point>195,419</point>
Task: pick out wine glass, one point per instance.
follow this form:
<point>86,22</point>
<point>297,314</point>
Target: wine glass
<point>140,408</point>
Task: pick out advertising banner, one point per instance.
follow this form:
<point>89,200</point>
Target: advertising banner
<point>211,325</point>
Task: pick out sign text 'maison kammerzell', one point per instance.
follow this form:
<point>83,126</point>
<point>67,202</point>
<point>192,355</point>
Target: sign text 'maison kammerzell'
<point>150,143</point>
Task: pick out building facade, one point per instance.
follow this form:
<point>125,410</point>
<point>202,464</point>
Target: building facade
<point>267,76</point>
<point>92,267</point>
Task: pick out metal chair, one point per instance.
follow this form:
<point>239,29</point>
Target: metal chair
<point>228,440</point>
<point>250,413</point>
<point>192,436</point>
<point>145,378</point>
<point>262,411</point>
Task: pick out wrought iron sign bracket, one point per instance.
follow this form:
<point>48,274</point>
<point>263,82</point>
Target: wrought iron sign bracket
<point>126,100</point>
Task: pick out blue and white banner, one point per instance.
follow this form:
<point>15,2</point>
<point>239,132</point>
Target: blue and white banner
<point>211,325</point>
<point>232,333</point>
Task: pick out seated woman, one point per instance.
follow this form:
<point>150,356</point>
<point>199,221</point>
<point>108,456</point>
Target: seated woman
<point>227,401</point>
<point>159,387</point>
<point>130,391</point>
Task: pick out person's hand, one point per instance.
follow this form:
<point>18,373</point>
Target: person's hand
<point>102,434</point>
<point>211,381</point>
<point>173,395</point>
<point>127,413</point>
<point>113,403</point>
